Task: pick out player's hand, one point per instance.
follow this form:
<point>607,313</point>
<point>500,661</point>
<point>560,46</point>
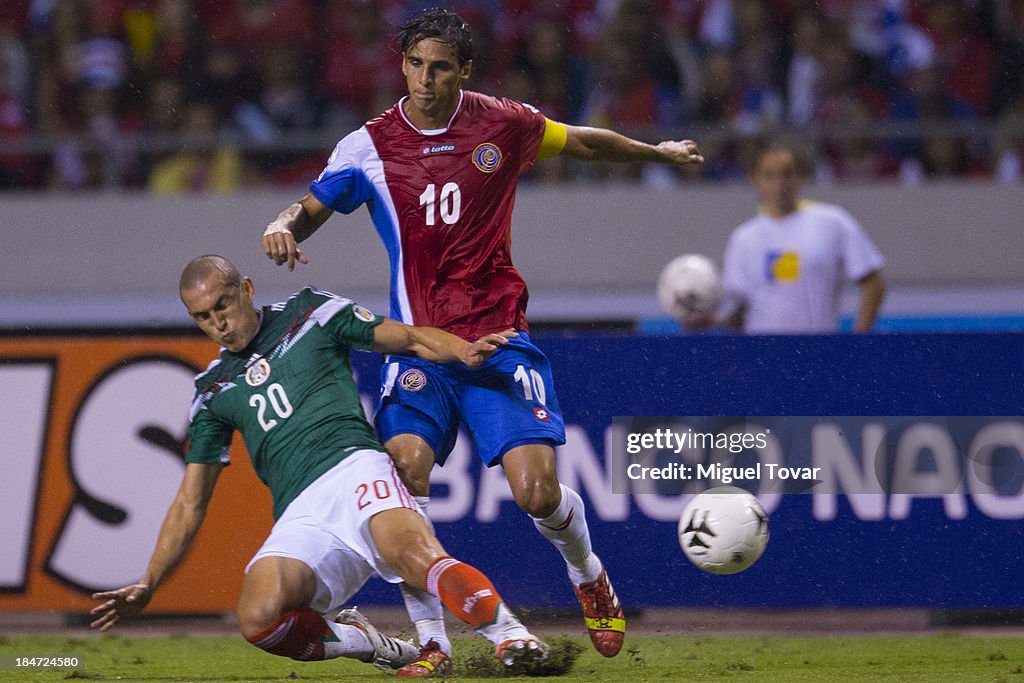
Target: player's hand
<point>480,350</point>
<point>681,152</point>
<point>280,246</point>
<point>279,241</point>
<point>123,602</point>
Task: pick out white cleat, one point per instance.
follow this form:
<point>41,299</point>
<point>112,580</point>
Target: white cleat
<point>388,653</point>
<point>522,655</point>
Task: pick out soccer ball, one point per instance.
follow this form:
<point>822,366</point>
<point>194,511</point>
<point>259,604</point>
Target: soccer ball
<point>723,530</point>
<point>690,284</point>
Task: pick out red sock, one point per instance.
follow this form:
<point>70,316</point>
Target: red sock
<point>464,590</point>
<point>299,635</point>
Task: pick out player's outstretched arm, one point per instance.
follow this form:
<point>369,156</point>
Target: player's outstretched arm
<point>180,526</point>
<point>293,225</point>
<point>599,144</point>
<point>436,345</point>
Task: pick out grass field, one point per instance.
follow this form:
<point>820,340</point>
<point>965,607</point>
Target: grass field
<point>943,657</point>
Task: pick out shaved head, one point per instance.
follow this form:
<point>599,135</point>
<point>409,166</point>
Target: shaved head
<point>220,301</point>
<point>199,270</point>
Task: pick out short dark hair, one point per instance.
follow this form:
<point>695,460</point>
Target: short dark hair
<point>201,267</point>
<point>442,25</point>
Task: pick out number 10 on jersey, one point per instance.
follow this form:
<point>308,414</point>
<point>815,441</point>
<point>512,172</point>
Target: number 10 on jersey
<point>448,204</point>
<point>532,384</point>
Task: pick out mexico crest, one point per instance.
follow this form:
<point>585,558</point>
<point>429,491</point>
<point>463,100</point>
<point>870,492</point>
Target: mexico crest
<point>257,373</point>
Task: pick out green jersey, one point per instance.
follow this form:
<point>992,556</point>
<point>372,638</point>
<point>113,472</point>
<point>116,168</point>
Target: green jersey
<point>290,394</point>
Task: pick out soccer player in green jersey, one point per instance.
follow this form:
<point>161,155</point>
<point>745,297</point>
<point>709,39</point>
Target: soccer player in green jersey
<point>284,381</point>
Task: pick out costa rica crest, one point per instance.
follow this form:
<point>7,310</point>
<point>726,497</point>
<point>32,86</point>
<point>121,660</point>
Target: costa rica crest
<point>412,380</point>
<point>487,157</point>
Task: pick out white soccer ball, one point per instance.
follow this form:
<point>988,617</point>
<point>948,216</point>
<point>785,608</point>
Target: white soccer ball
<point>690,284</point>
<point>723,530</point>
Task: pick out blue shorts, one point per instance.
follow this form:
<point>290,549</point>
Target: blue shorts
<point>509,401</point>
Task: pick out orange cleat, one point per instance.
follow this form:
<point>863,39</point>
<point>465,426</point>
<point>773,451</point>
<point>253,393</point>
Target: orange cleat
<point>602,614</point>
<point>431,661</point>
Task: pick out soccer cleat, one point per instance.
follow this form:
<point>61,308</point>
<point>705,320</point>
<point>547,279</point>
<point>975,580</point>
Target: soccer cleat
<point>602,614</point>
<point>431,661</point>
<point>388,653</point>
<point>522,655</point>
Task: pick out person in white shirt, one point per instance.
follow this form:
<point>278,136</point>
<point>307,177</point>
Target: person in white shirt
<point>784,268</point>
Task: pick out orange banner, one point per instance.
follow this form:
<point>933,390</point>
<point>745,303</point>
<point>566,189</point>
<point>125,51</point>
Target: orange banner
<point>94,430</point>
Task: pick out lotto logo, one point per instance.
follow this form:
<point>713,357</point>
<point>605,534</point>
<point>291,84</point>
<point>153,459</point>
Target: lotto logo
<point>541,414</point>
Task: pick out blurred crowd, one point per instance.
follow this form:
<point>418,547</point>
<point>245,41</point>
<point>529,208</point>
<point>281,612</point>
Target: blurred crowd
<point>219,95</point>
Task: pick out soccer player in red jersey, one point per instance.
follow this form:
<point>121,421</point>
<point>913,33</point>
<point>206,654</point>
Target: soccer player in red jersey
<point>438,173</point>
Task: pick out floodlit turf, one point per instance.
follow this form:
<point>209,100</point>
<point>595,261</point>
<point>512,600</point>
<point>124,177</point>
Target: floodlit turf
<point>944,657</point>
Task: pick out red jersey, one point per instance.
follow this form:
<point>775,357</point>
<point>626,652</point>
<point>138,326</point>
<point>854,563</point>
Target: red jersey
<point>442,201</point>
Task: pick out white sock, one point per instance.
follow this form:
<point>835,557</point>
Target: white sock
<point>427,614</point>
<point>425,610</point>
<point>566,528</point>
<point>504,627</point>
<point>352,642</point>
